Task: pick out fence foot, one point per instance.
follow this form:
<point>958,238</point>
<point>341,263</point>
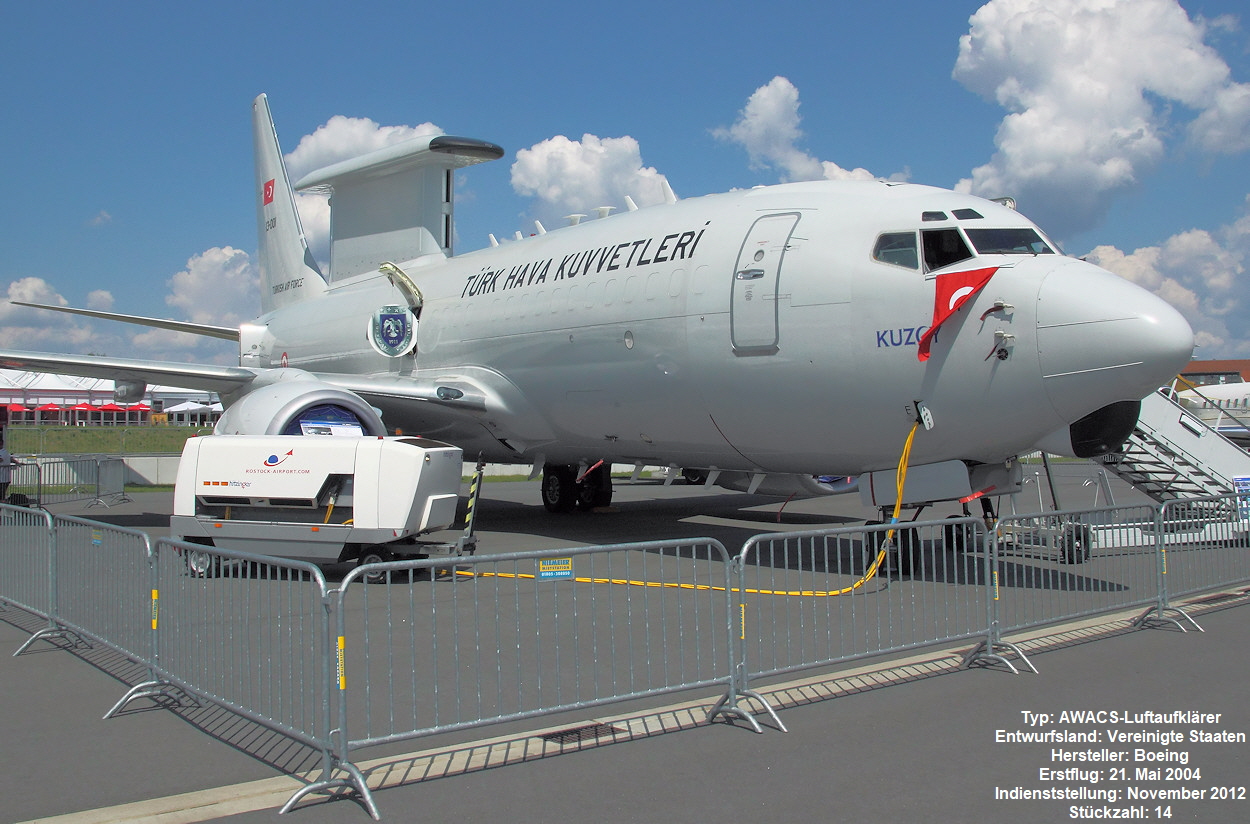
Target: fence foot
<point>152,689</point>
<point>1155,616</point>
<point>48,633</point>
<point>354,780</point>
<point>728,704</point>
<point>992,651</point>
<point>118,498</point>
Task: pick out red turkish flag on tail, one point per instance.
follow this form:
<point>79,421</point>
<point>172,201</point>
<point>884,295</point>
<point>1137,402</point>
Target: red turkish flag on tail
<point>954,289</point>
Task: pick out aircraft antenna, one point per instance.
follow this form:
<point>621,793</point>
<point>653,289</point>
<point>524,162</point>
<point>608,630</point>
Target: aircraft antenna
<point>539,227</point>
<point>604,211</point>
<point>574,219</point>
<point>493,242</point>
<point>630,204</point>
<point>669,195</point>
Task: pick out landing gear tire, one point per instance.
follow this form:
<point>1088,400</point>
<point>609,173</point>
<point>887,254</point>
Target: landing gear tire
<point>374,555</point>
<point>1076,542</point>
<point>595,490</point>
<point>559,488</point>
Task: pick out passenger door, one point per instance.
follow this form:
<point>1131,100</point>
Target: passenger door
<point>753,318</point>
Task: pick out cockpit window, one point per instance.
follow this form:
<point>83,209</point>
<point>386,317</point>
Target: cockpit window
<point>943,247</point>
<point>1017,241</point>
<point>898,248</point>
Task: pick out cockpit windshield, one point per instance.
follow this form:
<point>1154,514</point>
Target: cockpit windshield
<point>1016,241</point>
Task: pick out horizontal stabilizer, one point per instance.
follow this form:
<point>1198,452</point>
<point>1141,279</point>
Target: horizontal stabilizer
<point>203,329</point>
<point>219,379</point>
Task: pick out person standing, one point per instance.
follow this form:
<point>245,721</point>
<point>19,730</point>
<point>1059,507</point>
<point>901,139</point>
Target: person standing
<point>6,469</point>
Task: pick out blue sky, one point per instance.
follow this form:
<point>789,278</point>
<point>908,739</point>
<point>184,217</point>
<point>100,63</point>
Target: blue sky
<point>1123,128</point>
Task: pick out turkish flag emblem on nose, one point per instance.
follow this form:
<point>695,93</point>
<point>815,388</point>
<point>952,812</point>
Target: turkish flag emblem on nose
<point>268,198</point>
<point>954,289</point>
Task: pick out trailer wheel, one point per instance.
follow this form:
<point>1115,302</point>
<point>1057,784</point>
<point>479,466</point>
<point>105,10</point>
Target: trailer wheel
<point>374,555</point>
<point>559,488</point>
<point>1077,540</point>
<point>200,563</point>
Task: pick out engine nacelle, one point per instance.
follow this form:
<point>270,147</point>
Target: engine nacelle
<point>129,391</point>
<point>296,403</point>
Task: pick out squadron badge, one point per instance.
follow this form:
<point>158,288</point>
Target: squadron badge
<point>392,331</point>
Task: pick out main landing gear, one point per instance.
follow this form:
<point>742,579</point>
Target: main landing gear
<point>564,488</point>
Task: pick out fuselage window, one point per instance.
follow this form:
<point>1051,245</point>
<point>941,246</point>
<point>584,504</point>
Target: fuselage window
<point>943,247</point>
<point>1017,241</point>
<point>898,248</point>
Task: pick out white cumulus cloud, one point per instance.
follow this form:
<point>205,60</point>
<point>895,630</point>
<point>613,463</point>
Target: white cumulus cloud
<point>219,286</point>
<point>768,128</point>
<point>1091,88</point>
<point>1203,274</point>
<point>40,330</point>
<point>339,138</point>
<point>575,176</point>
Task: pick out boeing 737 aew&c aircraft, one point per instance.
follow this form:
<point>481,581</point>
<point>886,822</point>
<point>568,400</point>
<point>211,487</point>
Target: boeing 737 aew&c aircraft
<point>760,337</point>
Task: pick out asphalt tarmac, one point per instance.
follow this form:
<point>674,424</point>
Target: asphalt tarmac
<point>910,738</point>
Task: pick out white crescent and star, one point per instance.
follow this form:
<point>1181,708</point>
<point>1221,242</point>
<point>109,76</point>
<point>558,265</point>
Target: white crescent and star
<point>959,295</point>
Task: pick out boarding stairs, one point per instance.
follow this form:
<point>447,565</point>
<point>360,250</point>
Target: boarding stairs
<point>1174,454</point>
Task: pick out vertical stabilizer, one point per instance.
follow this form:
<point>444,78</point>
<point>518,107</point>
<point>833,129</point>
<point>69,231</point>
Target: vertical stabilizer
<point>288,273</point>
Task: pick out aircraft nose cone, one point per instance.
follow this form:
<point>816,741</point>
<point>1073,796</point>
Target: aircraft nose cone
<point>1101,339</point>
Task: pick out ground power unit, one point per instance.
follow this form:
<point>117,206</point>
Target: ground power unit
<point>315,498</point>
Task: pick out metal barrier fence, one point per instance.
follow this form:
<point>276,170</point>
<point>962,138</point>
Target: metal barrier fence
<point>1205,543</point>
<point>440,645</point>
<point>250,635</point>
<point>815,598</point>
<point>41,482</point>
<point>25,555</point>
<point>1063,565</point>
<point>100,590</point>
<point>408,649</point>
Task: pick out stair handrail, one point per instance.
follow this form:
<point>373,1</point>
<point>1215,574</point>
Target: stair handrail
<point>1193,387</point>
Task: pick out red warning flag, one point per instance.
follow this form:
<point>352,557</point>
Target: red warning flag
<point>954,289</point>
<point>268,193</point>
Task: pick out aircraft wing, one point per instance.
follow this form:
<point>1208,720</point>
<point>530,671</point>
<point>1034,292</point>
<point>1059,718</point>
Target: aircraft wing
<point>219,379</point>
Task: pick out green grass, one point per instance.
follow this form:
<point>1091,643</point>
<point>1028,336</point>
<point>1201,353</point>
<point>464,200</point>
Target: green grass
<point>99,440</point>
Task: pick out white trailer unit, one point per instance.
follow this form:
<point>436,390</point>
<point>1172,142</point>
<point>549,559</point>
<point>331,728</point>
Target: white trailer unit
<point>320,499</point>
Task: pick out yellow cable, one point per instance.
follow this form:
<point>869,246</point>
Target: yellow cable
<point>869,574</point>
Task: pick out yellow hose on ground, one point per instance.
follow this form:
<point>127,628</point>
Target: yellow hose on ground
<point>870,573</point>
